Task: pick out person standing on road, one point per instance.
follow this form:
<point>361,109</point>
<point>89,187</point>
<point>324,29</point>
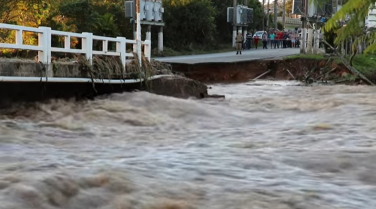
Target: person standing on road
<point>293,40</point>
<point>276,41</point>
<point>280,39</point>
<point>285,37</point>
<point>239,43</point>
<point>265,41</point>
<point>256,38</point>
<point>272,39</point>
<point>249,40</point>
<point>297,41</point>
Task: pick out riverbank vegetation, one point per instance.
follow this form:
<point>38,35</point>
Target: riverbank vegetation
<point>364,63</point>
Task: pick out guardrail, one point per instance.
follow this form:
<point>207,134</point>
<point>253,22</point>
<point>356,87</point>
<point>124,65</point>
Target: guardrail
<point>45,48</point>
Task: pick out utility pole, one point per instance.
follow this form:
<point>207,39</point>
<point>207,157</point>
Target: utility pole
<point>263,15</point>
<point>234,27</point>
<point>336,7</point>
<point>138,31</point>
<point>245,31</point>
<point>275,14</point>
<point>304,23</point>
<point>267,18</point>
<point>283,14</point>
<point>134,21</point>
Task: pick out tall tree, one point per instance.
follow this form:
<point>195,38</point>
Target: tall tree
<point>189,22</point>
<point>81,13</point>
<point>288,7</point>
<point>258,14</point>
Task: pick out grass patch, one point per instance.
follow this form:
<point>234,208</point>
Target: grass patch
<point>305,56</point>
<point>366,64</point>
<point>361,62</point>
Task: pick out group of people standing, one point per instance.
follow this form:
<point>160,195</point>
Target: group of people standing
<point>278,39</point>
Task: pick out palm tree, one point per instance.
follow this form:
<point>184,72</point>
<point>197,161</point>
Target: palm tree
<point>355,11</point>
<point>106,25</point>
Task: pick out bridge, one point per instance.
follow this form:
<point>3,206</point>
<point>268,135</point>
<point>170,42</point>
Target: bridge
<point>45,50</point>
<point>28,79</point>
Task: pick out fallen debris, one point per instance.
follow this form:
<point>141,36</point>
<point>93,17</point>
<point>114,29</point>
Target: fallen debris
<point>262,75</point>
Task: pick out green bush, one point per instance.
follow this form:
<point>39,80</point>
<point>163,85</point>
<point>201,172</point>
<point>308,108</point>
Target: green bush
<point>188,23</point>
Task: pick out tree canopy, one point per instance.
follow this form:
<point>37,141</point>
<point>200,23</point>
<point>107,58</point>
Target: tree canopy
<point>188,22</point>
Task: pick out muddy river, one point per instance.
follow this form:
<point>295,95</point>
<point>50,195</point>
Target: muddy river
<point>268,145</point>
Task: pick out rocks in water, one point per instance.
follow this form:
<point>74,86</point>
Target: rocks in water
<point>215,96</point>
<point>163,72</point>
<point>177,86</point>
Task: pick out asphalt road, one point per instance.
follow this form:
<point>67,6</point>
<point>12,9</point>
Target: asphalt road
<point>253,54</point>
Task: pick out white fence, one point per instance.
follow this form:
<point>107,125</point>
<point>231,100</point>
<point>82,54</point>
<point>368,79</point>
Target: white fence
<point>45,48</point>
<point>292,22</point>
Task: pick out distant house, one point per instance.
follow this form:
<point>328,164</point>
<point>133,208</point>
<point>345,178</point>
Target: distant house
<point>324,9</point>
<point>328,9</point>
<point>371,19</point>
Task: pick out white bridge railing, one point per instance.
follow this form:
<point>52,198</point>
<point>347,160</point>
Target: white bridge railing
<point>45,48</point>
<point>291,21</point>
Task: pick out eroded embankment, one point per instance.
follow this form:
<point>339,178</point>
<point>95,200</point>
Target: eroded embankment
<point>291,69</point>
<point>52,81</point>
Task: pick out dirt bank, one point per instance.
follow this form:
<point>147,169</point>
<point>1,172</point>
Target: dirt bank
<point>279,70</point>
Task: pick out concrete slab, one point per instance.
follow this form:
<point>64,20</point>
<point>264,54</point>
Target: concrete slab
<point>228,57</point>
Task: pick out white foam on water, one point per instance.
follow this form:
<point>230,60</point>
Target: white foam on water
<point>271,145</point>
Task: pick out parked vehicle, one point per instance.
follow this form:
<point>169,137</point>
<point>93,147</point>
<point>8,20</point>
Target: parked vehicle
<point>258,34</point>
<point>272,30</point>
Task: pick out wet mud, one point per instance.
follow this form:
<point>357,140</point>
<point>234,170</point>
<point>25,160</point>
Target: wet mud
<point>290,69</point>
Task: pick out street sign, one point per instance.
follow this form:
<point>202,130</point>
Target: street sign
<point>244,15</point>
<point>297,7</point>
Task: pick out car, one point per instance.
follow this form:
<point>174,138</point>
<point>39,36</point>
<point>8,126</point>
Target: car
<point>258,34</point>
<point>272,30</point>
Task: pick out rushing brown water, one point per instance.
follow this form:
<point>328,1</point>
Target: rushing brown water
<point>266,146</point>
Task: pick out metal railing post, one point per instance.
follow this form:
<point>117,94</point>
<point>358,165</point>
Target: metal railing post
<point>105,46</point>
<point>87,46</point>
<point>147,49</point>
<point>121,47</point>
<point>67,42</point>
<point>44,41</point>
<point>19,39</point>
<point>44,56</point>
